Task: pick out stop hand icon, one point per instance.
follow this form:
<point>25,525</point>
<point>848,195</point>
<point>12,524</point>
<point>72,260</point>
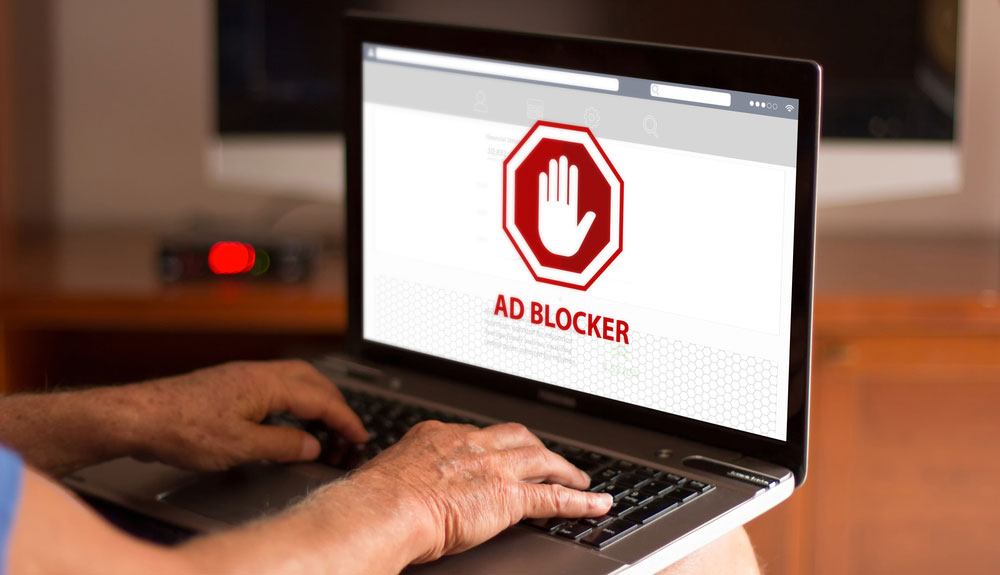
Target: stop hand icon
<point>563,202</point>
<point>558,196</point>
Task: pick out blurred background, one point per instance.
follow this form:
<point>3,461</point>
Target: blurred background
<point>133,133</point>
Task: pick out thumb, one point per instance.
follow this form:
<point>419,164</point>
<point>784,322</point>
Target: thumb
<point>584,226</point>
<point>281,444</point>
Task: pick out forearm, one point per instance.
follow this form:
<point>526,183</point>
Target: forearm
<point>53,532</point>
<point>342,528</point>
<point>61,432</point>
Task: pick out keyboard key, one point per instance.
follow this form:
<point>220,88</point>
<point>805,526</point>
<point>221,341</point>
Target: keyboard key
<point>597,521</point>
<point>588,461</point>
<point>632,480</point>
<point>585,465</point>
<point>637,498</point>
<point>697,485</point>
<point>681,494</point>
<point>648,472</point>
<point>620,508</point>
<point>596,458</point>
<point>625,465</point>
<point>572,530</point>
<point>567,450</point>
<point>616,491</point>
<point>609,533</point>
<point>549,524</point>
<point>657,487</point>
<point>604,475</point>
<point>671,478</point>
<point>651,511</point>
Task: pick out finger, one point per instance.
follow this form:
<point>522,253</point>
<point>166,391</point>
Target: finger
<point>315,377</point>
<point>307,373</point>
<point>563,179</point>
<point>324,403</point>
<point>546,500</point>
<point>574,173</point>
<point>280,444</point>
<point>584,226</point>
<point>508,436</point>
<point>543,188</point>
<point>553,181</point>
<point>537,464</point>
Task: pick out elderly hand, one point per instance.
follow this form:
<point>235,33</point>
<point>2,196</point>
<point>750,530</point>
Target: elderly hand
<point>207,420</point>
<point>210,419</point>
<point>464,484</point>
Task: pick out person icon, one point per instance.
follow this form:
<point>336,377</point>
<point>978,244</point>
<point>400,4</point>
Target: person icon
<point>480,105</point>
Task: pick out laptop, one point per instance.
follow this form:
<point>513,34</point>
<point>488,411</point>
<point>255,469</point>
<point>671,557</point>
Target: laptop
<point>609,242</point>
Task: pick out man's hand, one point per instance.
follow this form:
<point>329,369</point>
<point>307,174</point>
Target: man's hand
<point>206,420</point>
<point>465,484</point>
<point>441,489</point>
<point>209,419</point>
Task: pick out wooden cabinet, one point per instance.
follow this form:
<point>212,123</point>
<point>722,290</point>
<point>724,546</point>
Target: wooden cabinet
<point>90,308</point>
<point>904,444</point>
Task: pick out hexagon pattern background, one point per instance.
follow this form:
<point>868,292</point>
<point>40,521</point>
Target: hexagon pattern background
<point>684,378</point>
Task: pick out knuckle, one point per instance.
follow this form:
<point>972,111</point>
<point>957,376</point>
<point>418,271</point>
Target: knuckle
<point>519,428</point>
<point>427,426</point>
<point>515,429</point>
<point>561,498</point>
<point>299,366</point>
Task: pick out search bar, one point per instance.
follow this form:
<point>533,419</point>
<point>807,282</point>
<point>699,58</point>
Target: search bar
<point>491,68</point>
<point>690,95</point>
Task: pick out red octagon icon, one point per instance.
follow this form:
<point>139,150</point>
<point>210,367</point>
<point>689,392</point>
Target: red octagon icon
<point>563,204</point>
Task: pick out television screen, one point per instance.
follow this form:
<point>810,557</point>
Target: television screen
<point>278,66</point>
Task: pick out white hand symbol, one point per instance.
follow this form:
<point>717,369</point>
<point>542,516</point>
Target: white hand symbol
<point>558,227</point>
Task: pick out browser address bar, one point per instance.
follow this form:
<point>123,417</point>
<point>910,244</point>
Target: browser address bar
<point>690,95</point>
<point>474,66</point>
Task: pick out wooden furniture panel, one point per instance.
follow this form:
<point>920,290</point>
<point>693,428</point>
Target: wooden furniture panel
<point>904,441</point>
<point>933,445</point>
<point>74,306</point>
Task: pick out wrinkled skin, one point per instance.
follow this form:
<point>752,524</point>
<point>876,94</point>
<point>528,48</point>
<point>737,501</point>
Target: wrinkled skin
<point>209,419</point>
<point>468,484</point>
<point>461,484</point>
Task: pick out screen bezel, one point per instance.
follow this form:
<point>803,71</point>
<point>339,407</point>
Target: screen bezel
<point>712,69</point>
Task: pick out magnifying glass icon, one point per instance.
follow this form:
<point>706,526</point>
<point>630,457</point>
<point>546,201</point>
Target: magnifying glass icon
<point>655,90</point>
<point>649,125</point>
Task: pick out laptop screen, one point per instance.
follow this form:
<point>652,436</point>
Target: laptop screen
<point>624,237</point>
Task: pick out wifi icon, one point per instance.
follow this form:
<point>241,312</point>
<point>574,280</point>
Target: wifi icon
<point>789,107</point>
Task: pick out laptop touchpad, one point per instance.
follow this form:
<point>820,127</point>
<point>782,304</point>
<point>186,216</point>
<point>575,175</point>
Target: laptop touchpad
<point>250,492</point>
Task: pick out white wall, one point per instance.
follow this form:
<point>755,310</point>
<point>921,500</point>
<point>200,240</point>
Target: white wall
<point>133,114</point>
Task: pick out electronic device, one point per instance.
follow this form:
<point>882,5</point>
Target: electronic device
<point>278,99</point>
<point>609,242</point>
<point>287,260</point>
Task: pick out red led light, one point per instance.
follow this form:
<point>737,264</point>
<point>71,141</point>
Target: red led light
<point>229,258</point>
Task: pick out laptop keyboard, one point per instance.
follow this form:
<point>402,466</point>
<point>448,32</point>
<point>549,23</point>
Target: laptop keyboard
<point>641,494</point>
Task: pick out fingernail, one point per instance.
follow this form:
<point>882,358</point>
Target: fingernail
<point>310,448</point>
<point>606,499</point>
